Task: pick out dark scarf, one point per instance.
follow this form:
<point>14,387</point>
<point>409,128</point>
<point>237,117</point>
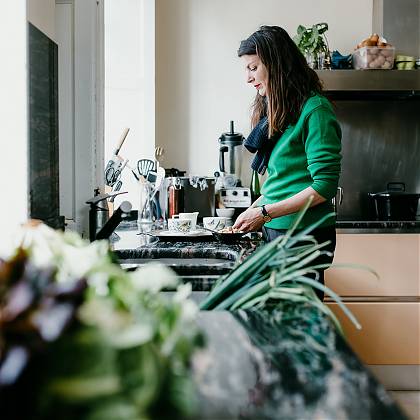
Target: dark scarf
<point>258,141</point>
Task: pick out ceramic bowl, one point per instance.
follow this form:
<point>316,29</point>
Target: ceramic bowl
<point>225,213</point>
<point>214,223</point>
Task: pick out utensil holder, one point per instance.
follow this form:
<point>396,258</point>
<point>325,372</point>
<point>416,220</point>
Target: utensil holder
<point>145,212</point>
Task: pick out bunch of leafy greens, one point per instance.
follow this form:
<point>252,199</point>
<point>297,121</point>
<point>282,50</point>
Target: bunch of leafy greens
<point>312,40</point>
<point>279,271</point>
<point>125,350</point>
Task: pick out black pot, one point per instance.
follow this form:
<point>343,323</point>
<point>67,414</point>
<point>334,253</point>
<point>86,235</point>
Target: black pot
<point>395,203</point>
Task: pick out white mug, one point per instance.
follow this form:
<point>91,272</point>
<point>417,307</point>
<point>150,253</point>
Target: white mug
<point>179,225</point>
<point>190,216</point>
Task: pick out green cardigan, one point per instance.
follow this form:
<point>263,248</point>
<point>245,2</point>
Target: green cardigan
<point>306,155</point>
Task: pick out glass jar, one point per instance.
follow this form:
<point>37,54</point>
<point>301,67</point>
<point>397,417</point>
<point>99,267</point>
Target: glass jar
<point>145,212</point>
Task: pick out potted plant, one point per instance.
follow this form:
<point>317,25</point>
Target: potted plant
<point>313,44</point>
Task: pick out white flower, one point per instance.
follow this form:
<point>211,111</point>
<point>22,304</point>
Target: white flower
<point>67,251</point>
<point>153,277</point>
<point>182,293</point>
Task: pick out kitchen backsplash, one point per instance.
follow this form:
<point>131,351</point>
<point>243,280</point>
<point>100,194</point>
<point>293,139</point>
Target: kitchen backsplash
<point>381,144</point>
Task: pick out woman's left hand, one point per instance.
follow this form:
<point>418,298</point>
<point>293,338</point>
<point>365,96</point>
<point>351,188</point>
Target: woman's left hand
<point>250,220</point>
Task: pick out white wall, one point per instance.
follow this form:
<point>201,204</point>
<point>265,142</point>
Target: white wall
<point>41,13</point>
<point>13,119</point>
<point>200,81</point>
<point>129,84</point>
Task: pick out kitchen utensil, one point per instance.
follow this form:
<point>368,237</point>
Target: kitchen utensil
<point>144,166</point>
<point>226,237</point>
<point>113,173</point>
<point>151,176</point>
<point>156,208</point>
<point>158,154</point>
<point>160,175</point>
<point>114,166</point>
<point>113,170</point>
<point>231,143</point>
<point>121,141</point>
<point>116,187</point>
<point>158,182</point>
<point>394,203</point>
<point>231,193</point>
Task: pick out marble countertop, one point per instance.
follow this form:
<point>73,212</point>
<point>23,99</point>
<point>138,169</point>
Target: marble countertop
<point>285,364</point>
<point>200,263</point>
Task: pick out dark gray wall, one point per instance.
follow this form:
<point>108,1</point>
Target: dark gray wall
<point>381,143</point>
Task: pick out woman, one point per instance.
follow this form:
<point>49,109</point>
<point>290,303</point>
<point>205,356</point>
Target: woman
<point>296,136</point>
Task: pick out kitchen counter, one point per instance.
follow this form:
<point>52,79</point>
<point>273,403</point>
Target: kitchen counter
<point>191,256</point>
<point>288,364</point>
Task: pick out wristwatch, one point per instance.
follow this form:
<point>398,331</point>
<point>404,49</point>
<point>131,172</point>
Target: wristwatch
<point>265,215</point>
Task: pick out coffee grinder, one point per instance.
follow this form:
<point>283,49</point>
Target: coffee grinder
<point>231,193</point>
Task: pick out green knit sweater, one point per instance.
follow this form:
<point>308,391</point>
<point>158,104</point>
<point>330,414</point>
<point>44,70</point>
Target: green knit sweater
<point>306,155</point>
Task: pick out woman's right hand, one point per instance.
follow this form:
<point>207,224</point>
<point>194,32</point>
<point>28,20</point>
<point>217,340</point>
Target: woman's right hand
<point>250,220</point>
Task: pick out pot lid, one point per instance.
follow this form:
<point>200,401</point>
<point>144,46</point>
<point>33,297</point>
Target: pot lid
<point>396,189</point>
<point>394,194</point>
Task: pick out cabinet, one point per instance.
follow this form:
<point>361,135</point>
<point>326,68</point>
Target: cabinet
<point>388,308</point>
<point>389,335</point>
<point>395,257</point>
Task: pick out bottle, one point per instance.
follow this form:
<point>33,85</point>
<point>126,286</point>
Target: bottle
<point>255,186</point>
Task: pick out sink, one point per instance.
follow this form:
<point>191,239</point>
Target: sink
<point>186,261</point>
<point>183,265</point>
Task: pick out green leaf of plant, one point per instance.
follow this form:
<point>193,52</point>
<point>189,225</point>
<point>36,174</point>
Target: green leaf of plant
<point>334,295</point>
<point>322,27</point>
<point>300,29</point>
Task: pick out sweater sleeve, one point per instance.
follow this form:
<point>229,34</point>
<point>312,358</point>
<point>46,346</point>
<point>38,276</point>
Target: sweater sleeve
<point>323,150</point>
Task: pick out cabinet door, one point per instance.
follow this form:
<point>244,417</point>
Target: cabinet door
<point>390,333</point>
<point>395,257</point>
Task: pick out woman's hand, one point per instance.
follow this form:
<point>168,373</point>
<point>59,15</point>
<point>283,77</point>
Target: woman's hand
<point>250,220</point>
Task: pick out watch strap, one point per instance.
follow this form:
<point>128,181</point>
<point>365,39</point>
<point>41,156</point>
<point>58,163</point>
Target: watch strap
<point>266,216</point>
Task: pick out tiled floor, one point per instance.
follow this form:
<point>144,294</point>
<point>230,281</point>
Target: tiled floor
<point>409,401</point>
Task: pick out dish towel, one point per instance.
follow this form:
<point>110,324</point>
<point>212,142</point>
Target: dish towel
<point>259,142</point>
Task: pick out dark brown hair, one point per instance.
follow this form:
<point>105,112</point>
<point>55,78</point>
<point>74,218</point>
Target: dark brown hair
<point>290,80</point>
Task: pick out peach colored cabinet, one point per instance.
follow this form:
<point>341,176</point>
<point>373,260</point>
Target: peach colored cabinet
<point>390,333</point>
<point>395,257</point>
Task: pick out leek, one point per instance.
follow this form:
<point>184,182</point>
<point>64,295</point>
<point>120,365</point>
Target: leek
<point>278,271</point>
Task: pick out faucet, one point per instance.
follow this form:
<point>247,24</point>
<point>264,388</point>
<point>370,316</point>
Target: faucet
<point>99,213</point>
<point>121,213</point>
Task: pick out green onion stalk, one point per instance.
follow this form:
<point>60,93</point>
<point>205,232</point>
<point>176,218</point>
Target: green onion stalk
<point>281,270</point>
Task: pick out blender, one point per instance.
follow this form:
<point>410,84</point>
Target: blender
<point>231,193</point>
